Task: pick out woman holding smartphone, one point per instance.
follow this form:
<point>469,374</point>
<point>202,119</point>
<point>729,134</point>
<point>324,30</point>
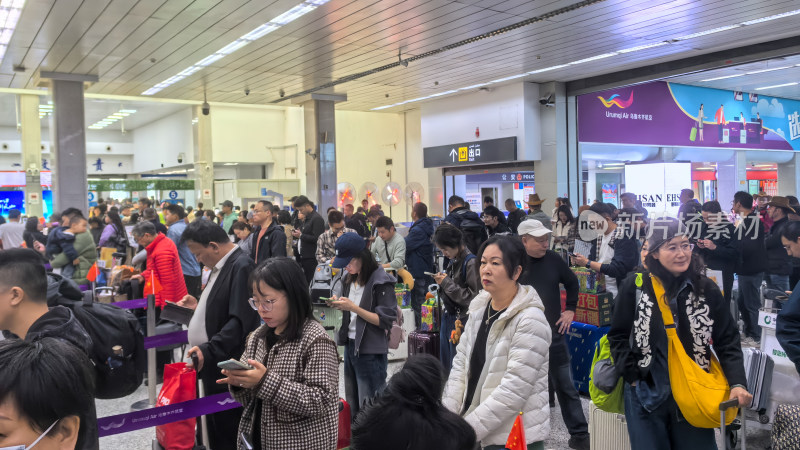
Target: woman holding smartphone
<point>369,307</point>
<point>290,396</point>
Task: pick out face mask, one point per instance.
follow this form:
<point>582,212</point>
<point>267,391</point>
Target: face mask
<point>22,447</point>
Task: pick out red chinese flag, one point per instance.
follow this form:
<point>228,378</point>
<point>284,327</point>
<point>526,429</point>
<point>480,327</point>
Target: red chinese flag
<point>93,273</point>
<point>516,439</point>
<point>152,286</point>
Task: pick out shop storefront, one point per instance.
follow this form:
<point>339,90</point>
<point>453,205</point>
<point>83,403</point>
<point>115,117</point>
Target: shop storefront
<point>171,191</point>
<point>725,141</point>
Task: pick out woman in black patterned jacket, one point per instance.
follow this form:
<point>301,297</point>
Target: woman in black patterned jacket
<point>290,396</point>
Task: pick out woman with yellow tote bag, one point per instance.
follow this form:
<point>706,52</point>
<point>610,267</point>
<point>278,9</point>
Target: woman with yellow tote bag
<point>672,309</point>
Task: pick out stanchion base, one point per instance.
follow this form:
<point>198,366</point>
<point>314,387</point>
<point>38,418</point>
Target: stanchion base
<point>142,404</point>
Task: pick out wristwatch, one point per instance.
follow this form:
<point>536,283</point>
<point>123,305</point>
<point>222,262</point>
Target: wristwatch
<point>588,264</point>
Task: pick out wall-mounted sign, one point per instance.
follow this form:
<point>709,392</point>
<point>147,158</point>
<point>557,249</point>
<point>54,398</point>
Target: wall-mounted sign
<point>173,195</point>
<point>471,153</point>
<point>505,177</point>
<point>660,193</point>
<point>207,193</point>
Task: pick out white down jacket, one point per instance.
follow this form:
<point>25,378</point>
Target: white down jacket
<point>514,377</point>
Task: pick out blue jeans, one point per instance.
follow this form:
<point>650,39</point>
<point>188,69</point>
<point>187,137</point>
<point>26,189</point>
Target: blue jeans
<point>779,282</point>
<point>364,377</point>
<point>749,301</point>
<point>68,271</point>
<point>664,428</point>
<point>447,351</point>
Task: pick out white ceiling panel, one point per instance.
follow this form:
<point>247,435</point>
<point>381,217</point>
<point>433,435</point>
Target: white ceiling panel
<point>134,44</point>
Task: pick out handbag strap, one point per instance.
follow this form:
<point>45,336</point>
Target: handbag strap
<point>666,312</point>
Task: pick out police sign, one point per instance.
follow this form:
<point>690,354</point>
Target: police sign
<point>471,153</point>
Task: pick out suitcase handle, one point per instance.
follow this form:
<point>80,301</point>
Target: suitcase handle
<point>733,403</point>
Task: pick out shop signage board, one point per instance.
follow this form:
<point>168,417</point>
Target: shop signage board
<point>471,153</point>
<point>505,177</point>
<point>658,185</point>
<point>666,114</point>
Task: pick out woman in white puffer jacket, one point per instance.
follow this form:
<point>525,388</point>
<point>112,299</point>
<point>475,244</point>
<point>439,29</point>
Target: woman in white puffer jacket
<point>500,368</point>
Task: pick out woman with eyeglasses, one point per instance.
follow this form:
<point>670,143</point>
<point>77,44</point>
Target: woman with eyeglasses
<point>639,342</point>
<point>290,395</point>
<point>369,307</point>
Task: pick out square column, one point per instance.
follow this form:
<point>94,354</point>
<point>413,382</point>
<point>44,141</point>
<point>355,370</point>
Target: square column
<point>31,153</point>
<point>731,178</point>
<point>789,176</point>
<point>319,121</point>
<point>68,135</point>
<point>203,159</point>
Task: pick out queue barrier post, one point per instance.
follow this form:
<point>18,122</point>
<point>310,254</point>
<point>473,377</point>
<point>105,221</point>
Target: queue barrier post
<point>152,376</point>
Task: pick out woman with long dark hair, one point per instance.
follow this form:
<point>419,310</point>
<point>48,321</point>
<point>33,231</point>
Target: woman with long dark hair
<point>565,231</point>
<point>369,307</point>
<point>33,232</point>
<point>114,234</point>
<point>639,342</point>
<point>290,395</point>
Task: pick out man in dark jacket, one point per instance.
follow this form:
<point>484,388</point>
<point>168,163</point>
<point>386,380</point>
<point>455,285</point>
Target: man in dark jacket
<point>788,324</point>
<point>355,221</point>
<point>689,205</point>
<point>717,244</point>
<point>419,256</point>
<point>614,254</point>
<point>779,267</point>
<point>515,215</point>
<point>268,238</point>
<point>313,226</point>
<point>546,271</point>
<point>751,263</point>
<point>222,318</point>
<point>468,222</point>
<point>491,218</point>
<point>25,314</point>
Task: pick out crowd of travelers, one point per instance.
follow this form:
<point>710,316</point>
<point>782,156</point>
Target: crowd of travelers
<point>245,273</point>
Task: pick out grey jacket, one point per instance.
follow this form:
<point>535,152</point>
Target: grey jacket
<point>379,298</point>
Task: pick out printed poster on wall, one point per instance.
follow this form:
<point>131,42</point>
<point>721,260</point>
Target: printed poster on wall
<point>659,192</point>
<point>669,114</point>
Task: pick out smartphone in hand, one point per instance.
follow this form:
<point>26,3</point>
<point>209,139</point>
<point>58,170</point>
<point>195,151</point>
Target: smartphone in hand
<point>234,364</point>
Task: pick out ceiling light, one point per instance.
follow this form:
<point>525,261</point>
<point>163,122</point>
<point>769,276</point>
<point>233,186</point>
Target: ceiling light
<point>113,117</point>
<point>10,11</point>
<point>231,164</point>
<point>594,58</point>
<point>724,77</point>
<point>707,32</point>
<point>260,31</point>
<point>547,69</point>
<point>776,86</point>
<point>643,47</point>
<point>768,18</point>
<point>768,70</point>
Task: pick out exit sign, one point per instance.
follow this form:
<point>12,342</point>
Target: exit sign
<point>471,153</point>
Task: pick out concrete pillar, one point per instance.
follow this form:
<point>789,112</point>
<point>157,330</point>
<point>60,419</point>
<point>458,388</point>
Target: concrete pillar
<point>558,174</point>
<point>789,177</point>
<point>319,123</point>
<point>203,160</point>
<point>731,177</point>
<point>31,153</point>
<point>68,135</point>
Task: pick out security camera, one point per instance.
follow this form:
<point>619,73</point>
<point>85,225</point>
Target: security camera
<point>246,91</point>
<point>547,101</point>
<point>180,158</point>
<point>206,108</point>
<point>282,93</point>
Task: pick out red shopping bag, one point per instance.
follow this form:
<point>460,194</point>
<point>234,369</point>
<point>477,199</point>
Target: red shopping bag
<point>343,440</point>
<point>179,386</point>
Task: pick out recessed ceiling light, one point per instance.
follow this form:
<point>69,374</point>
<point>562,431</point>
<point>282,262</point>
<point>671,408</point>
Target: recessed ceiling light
<point>776,86</point>
<point>257,33</point>
<point>768,70</point>
<point>724,77</point>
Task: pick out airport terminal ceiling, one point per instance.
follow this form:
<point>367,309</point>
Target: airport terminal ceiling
<point>291,47</point>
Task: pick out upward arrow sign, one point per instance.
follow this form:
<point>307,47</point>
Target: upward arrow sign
<point>453,154</point>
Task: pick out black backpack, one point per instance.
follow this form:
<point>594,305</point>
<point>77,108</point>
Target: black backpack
<point>475,234</point>
<point>116,376</point>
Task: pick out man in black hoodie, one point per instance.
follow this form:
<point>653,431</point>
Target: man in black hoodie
<point>268,237</point>
<point>751,263</point>
<point>468,222</point>
<point>313,226</point>
<point>25,314</point>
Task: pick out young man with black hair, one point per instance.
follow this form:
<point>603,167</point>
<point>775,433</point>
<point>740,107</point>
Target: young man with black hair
<point>515,215</point>
<point>24,313</point>
<point>419,256</point>
<point>313,227</point>
<point>750,266</point>
<point>222,318</point>
<point>468,222</point>
<point>175,217</point>
<point>326,250</point>
<point>356,222</point>
<point>491,217</point>
<point>268,239</point>
<point>11,231</point>
<point>372,216</point>
<point>390,248</point>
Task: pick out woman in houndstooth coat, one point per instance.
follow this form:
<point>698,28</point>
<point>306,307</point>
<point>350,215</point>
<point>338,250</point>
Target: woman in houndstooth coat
<point>290,396</point>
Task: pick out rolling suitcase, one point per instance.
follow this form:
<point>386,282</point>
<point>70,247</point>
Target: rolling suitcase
<point>730,436</point>
<point>419,343</point>
<point>693,134</point>
<point>607,431</point>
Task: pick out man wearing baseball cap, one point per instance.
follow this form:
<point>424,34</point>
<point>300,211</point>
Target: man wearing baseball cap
<point>545,270</point>
<point>779,267</point>
<point>228,216</point>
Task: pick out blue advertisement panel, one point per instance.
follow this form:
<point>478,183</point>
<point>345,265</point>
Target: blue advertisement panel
<point>16,200</point>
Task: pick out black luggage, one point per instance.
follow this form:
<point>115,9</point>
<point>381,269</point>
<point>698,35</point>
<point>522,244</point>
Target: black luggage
<point>118,353</point>
<point>421,342</point>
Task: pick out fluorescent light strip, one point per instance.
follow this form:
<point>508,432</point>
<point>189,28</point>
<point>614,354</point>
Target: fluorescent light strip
<point>119,115</point>
<point>724,77</point>
<point>10,11</point>
<point>257,33</point>
<point>610,54</point>
<point>776,86</point>
<point>768,70</point>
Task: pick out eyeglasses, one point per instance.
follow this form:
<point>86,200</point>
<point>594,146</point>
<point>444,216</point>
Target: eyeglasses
<point>674,248</point>
<point>266,305</point>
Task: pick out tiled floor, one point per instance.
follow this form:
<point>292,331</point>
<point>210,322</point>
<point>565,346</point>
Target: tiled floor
<point>141,440</point>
